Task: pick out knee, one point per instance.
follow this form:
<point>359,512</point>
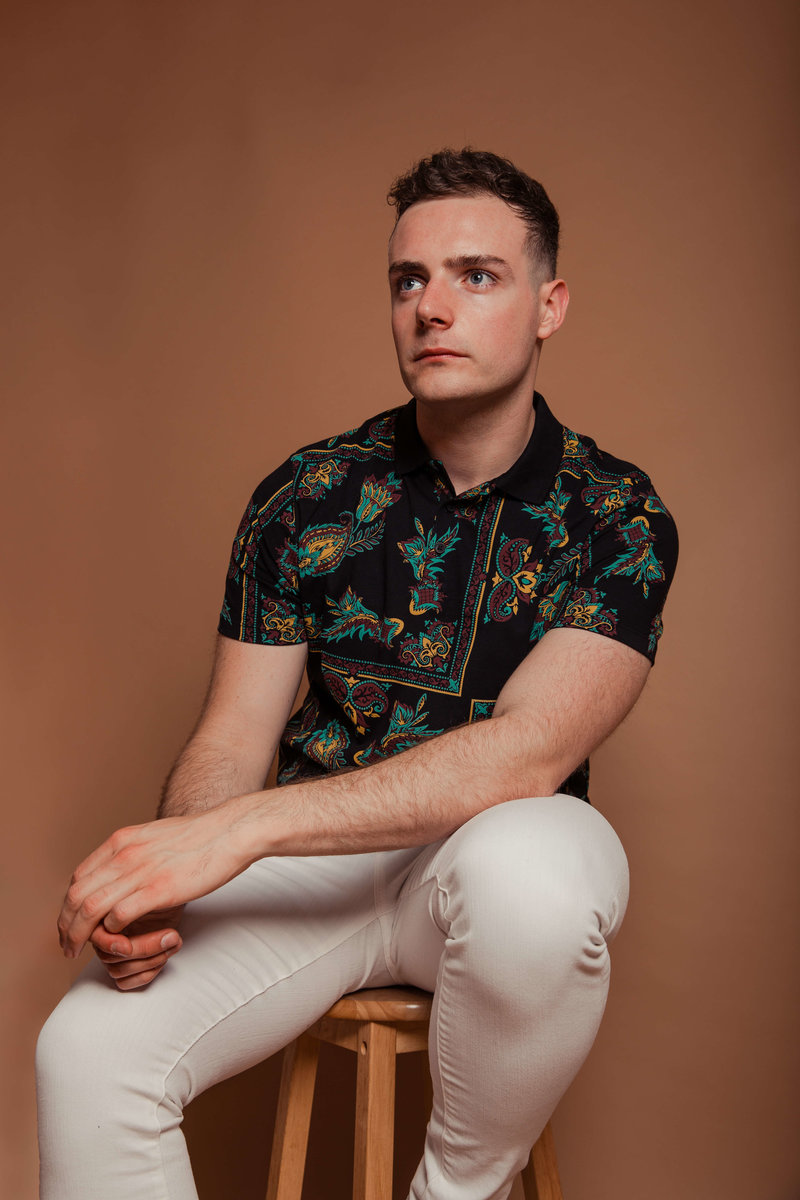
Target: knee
<point>58,1044</point>
<point>97,1043</point>
<point>544,877</point>
<point>66,1084</point>
<point>71,1046</point>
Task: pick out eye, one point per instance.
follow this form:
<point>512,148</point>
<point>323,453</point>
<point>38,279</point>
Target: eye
<point>480,278</point>
<point>408,283</point>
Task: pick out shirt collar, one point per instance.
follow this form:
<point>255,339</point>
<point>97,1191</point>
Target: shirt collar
<point>531,476</point>
<point>410,452</point>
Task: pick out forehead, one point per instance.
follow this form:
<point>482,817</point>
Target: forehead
<point>450,226</point>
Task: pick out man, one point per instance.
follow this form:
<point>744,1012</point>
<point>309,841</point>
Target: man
<point>475,594</point>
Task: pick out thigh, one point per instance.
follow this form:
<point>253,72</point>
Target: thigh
<point>262,957</point>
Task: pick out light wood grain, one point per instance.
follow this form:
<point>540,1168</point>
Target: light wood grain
<point>390,1004</point>
<point>290,1141</point>
<point>374,1143</point>
<point>540,1178</point>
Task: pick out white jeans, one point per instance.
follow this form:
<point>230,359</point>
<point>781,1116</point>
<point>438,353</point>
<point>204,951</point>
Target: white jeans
<point>507,920</point>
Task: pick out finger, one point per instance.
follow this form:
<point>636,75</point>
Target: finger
<point>134,945</point>
<point>126,970</point>
<point>143,946</point>
<point>115,904</point>
<point>106,878</point>
<point>161,922</point>
<point>136,981</point>
<point>130,904</point>
<point>85,906</point>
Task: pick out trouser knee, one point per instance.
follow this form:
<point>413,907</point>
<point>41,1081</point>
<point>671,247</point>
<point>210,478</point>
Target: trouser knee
<point>533,882</point>
<point>94,1051</point>
<point>66,1048</point>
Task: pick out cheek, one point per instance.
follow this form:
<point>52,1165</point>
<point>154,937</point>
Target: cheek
<point>400,325</point>
<point>506,338</point>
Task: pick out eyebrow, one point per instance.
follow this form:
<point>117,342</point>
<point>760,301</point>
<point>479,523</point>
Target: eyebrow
<point>462,262</point>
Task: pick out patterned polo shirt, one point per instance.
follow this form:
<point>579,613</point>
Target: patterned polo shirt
<point>417,604</point>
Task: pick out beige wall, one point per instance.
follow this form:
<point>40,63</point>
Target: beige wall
<point>194,285</point>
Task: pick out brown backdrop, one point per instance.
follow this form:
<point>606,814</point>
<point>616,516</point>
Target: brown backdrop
<point>194,286</point>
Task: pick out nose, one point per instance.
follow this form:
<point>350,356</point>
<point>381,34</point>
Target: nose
<point>435,305</point>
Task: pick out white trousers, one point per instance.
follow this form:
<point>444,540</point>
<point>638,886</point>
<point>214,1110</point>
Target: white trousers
<point>507,921</point>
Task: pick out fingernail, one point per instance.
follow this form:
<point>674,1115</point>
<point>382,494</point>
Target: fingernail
<point>169,940</point>
<point>117,949</point>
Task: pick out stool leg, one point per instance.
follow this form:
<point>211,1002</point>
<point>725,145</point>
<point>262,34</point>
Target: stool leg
<point>290,1140</point>
<point>374,1146</point>
<point>540,1179</point>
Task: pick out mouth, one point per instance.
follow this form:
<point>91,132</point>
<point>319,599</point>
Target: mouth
<point>437,352</point>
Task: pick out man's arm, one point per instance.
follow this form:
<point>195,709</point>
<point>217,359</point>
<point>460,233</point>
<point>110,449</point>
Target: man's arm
<point>248,703</point>
<point>229,753</point>
<point>563,700</point>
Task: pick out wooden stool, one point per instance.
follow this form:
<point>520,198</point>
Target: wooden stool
<point>377,1024</point>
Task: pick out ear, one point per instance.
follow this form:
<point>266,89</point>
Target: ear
<point>553,301</point>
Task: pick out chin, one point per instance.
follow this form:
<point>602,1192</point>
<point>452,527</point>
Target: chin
<point>435,388</point>
<point>442,395</point>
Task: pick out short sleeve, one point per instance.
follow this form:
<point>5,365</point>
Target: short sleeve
<point>262,602</point>
<point>622,575</point>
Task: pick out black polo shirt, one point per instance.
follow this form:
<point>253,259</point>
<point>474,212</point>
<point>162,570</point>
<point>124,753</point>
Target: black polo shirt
<point>417,604</point>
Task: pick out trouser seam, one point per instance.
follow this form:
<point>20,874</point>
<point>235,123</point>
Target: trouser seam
<point>382,910</point>
<point>438,1026</point>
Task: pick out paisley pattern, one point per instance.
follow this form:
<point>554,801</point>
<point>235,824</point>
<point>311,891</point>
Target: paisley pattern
<point>416,604</point>
<point>320,479</point>
<point>514,580</point>
<point>431,648</point>
<point>358,700</point>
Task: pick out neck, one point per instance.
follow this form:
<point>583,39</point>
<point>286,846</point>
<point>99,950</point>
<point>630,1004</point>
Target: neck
<point>475,443</point>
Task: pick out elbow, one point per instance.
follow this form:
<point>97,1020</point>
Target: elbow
<point>533,768</point>
<point>544,780</point>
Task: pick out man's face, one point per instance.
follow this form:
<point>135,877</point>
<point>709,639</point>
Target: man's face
<point>466,307</point>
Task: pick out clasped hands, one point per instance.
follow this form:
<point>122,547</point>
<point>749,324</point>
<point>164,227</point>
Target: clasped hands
<point>127,897</point>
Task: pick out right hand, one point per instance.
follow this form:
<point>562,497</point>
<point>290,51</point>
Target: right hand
<point>134,957</point>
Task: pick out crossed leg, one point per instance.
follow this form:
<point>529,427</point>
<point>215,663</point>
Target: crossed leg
<point>507,920</point>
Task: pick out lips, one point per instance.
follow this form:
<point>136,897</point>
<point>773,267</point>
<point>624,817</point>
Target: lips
<point>438,352</point>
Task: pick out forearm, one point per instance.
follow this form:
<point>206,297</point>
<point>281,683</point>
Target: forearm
<point>570,692</point>
<point>410,799</point>
<point>558,706</point>
<point>208,772</point>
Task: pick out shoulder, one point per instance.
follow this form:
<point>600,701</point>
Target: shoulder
<point>318,466</point>
<point>599,471</point>
<point>604,512</point>
<point>629,537</point>
<point>608,487</point>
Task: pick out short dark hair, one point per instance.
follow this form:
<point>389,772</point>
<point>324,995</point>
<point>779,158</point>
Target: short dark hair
<point>471,172</point>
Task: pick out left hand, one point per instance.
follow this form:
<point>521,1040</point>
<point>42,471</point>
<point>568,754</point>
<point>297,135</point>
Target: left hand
<point>144,868</point>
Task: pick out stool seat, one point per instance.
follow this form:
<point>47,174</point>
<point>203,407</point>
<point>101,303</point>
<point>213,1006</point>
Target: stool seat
<point>384,1005</point>
<point>377,1024</point>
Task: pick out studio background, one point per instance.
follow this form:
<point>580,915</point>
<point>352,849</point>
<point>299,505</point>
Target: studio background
<point>194,285</point>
